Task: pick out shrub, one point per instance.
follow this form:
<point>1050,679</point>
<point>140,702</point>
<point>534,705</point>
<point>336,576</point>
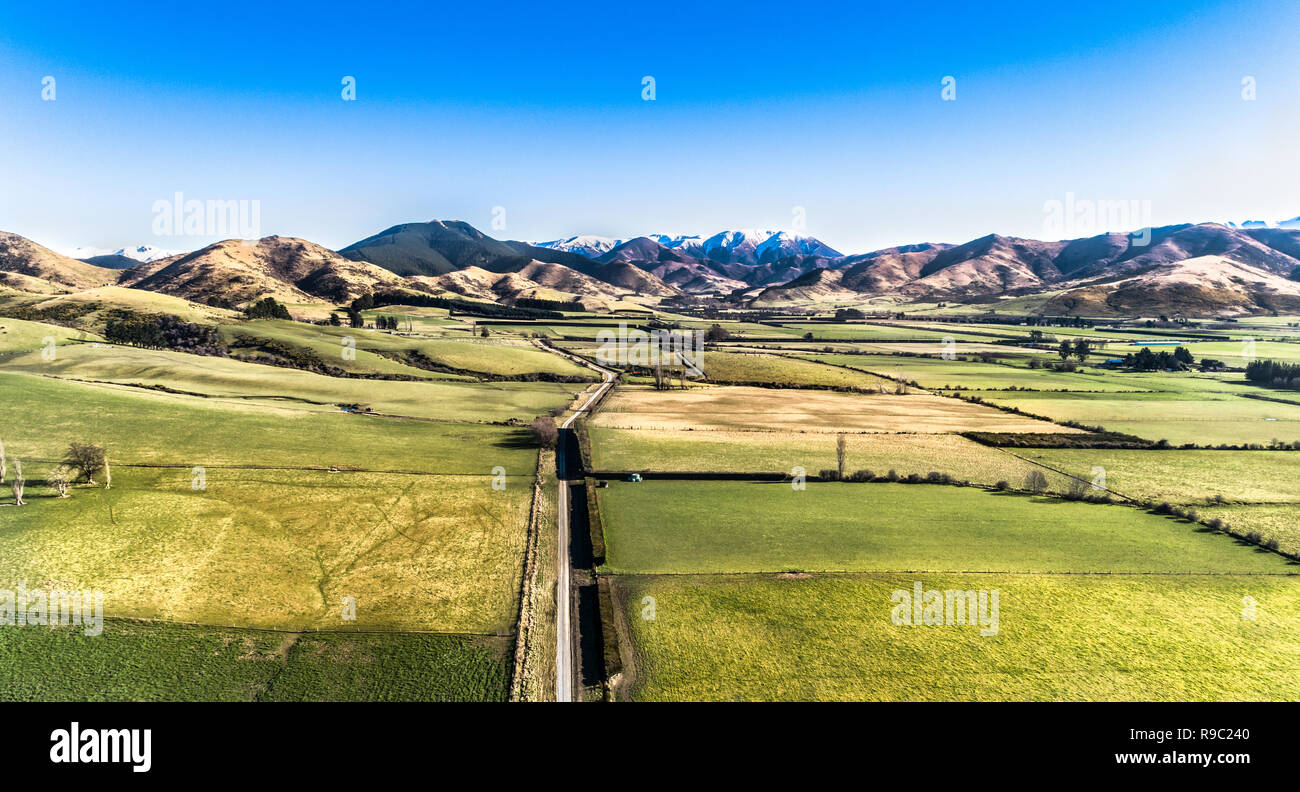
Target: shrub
<point>829,474</point>
<point>544,431</point>
<point>1002,486</point>
<point>862,475</point>
<point>892,475</point>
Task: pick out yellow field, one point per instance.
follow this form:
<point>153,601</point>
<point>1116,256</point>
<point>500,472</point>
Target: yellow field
<point>768,409</point>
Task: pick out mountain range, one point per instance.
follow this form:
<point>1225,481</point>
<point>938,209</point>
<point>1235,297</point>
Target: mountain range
<point>1207,269</point>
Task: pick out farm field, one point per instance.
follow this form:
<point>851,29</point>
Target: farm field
<point>940,374</point>
<point>769,409</point>
<point>663,527</point>
<point>143,661</point>
<point>873,331</point>
<point>1280,522</point>
<point>383,353</point>
<point>1059,638</point>
<point>1183,476</point>
<point>280,549</point>
<point>91,309</point>
<point>1199,418</point>
<point>17,335</point>
<point>780,452</point>
<point>736,367</point>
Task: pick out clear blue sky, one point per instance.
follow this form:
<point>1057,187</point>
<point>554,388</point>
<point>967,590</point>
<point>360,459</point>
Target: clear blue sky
<point>760,107</point>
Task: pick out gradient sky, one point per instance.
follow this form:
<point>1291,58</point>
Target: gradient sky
<point>760,108</point>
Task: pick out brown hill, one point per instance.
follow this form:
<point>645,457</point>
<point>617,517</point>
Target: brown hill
<point>288,269</point>
<point>22,256</point>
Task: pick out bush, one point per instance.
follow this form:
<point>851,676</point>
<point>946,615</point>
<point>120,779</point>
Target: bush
<point>267,308</point>
<point>1002,486</point>
<point>862,475</point>
<point>892,475</point>
<point>829,474</point>
<point>544,431</point>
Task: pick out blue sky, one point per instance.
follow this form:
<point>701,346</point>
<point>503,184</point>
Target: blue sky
<point>760,108</point>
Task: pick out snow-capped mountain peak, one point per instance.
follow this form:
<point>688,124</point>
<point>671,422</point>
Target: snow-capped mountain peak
<point>585,244</point>
<point>143,253</point>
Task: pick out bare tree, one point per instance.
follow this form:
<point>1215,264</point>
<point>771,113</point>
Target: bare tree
<point>1035,481</point>
<point>4,470</point>
<point>108,474</point>
<point>544,431</point>
<point>18,483</point>
<point>841,446</point>
<point>86,459</point>
<point>59,478</point>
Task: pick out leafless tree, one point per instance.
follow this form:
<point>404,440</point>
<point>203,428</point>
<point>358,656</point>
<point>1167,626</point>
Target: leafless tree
<point>18,483</point>
<point>59,479</point>
<point>841,447</point>
<point>4,470</point>
<point>86,459</point>
<point>544,431</point>
<point>108,474</point>
<point>1035,481</point>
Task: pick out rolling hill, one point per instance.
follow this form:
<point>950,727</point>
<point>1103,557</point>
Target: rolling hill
<point>24,257</point>
<point>288,269</point>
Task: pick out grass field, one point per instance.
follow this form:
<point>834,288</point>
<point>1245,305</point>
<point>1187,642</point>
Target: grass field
<point>374,352</point>
<point>1184,476</point>
<point>144,426</point>
<point>769,409</point>
<point>280,549</point>
<point>714,527</point>
<point>1059,638</point>
<point>143,661</point>
<point>17,335</point>
<point>91,309</point>
<point>1270,521</point>
<point>288,388</point>
<point>779,452</point>
<point>1199,418</point>
<point>957,374</point>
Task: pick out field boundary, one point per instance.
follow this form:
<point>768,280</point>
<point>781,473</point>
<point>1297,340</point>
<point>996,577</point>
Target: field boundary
<point>524,627</point>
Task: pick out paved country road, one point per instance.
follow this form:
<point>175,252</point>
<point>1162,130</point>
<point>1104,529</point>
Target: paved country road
<point>564,675</point>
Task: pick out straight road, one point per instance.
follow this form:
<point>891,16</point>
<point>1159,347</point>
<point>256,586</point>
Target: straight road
<point>564,675</point>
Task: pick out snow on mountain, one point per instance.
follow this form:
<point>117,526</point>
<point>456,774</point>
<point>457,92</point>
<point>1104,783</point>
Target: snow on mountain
<point>1292,223</point>
<point>740,246</point>
<point>785,243</point>
<point>144,253</point>
<point>587,245</point>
